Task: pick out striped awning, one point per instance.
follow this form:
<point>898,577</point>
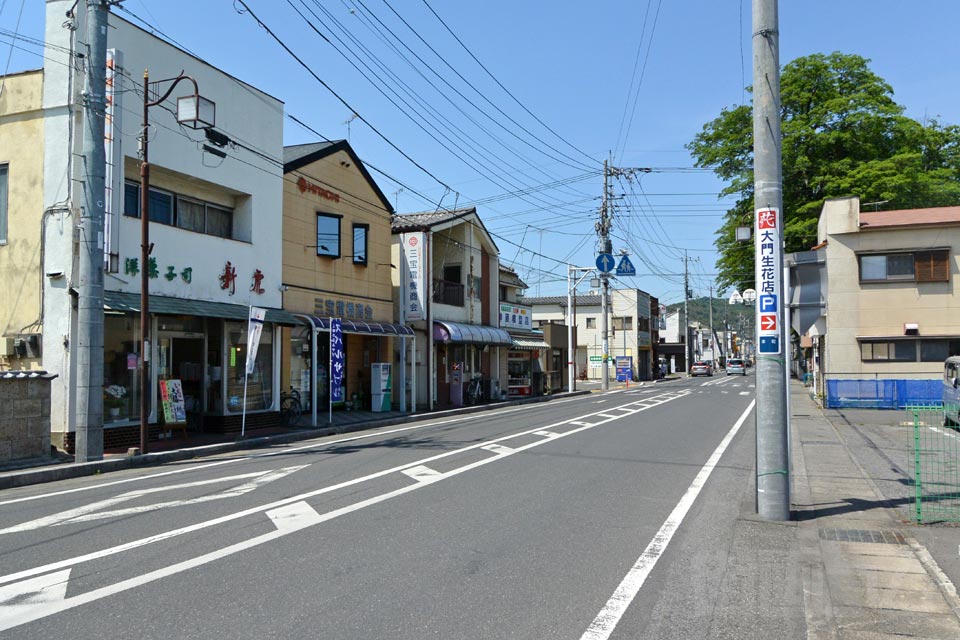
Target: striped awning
<point>362,326</point>
<point>459,332</point>
<point>529,344</point>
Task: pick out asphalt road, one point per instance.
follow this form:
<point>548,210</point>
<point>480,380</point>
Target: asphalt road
<point>617,515</point>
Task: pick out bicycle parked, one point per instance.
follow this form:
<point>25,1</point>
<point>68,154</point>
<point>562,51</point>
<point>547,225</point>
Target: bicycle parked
<point>290,407</point>
<point>473,394</point>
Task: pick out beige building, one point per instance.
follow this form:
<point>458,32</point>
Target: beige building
<point>21,204</point>
<point>891,303</point>
<point>337,264</point>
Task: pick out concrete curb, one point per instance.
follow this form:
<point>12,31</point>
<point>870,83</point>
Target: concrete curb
<point>65,471</point>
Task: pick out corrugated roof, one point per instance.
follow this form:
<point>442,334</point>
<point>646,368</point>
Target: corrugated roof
<point>909,217</point>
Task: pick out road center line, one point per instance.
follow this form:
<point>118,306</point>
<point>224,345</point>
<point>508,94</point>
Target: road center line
<point>608,618</point>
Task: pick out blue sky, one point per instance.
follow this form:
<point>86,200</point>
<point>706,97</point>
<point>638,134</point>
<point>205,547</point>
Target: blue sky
<point>569,66</point>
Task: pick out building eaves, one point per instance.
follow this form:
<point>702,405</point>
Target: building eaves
<point>909,218</point>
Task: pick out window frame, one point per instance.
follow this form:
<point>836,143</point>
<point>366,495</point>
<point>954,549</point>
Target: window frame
<point>329,253</point>
<point>889,343</point>
<point>175,209</point>
<point>361,261</point>
<point>929,265</point>
<point>591,323</point>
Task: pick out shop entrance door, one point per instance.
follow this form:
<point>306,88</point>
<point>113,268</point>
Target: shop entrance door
<point>181,358</point>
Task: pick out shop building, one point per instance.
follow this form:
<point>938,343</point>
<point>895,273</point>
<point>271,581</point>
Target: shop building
<point>629,324</point>
<point>448,289</point>
<point>337,243</point>
<point>214,225</point>
<point>527,357</point>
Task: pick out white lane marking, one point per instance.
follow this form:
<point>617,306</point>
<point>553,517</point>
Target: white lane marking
<point>422,473</point>
<point>606,415</point>
<point>24,600</point>
<point>605,622</point>
<point>103,553</point>
<point>942,432</point>
<point>288,450</point>
<point>93,511</point>
<point>287,519</point>
<point>498,449</point>
<point>546,434</point>
<point>744,393</point>
<point>579,423</point>
<point>288,515</point>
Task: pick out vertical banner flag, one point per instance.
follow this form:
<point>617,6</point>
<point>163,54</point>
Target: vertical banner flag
<point>254,329</point>
<point>336,360</point>
<point>769,278</point>
<point>414,281</point>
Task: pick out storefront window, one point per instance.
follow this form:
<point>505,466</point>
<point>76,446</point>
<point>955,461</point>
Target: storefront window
<point>519,373</point>
<point>121,367</point>
<point>300,363</point>
<point>260,382</point>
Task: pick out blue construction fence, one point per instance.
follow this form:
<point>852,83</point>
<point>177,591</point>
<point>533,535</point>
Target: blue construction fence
<point>882,393</point>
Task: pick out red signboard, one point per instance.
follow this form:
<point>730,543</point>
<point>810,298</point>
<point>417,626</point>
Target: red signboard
<point>768,322</point>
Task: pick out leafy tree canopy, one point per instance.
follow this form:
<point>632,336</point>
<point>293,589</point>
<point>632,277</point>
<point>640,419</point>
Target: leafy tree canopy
<point>843,135</point>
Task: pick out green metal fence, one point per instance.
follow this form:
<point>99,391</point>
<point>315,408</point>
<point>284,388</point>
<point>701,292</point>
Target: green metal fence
<point>936,464</point>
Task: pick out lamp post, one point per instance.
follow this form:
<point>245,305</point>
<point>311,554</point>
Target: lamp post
<point>196,112</point>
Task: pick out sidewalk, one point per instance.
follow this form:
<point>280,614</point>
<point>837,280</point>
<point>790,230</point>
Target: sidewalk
<point>865,576</point>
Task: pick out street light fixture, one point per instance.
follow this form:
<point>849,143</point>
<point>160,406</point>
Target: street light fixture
<point>193,111</point>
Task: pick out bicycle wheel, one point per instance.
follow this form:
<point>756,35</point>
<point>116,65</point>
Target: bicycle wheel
<point>289,410</point>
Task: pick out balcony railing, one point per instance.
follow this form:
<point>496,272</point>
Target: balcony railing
<point>446,292</point>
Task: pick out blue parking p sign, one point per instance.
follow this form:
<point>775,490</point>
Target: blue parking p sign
<point>768,303</point>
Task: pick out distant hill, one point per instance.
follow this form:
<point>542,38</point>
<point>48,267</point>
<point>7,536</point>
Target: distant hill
<point>699,310</point>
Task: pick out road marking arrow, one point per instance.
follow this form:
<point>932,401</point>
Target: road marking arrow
<point>93,511</point>
<point>422,473</point>
<point>21,601</point>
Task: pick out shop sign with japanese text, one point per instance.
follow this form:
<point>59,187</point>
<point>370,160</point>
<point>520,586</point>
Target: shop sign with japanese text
<point>515,317</point>
<point>769,278</point>
<point>414,284</point>
<point>334,307</point>
<point>336,360</point>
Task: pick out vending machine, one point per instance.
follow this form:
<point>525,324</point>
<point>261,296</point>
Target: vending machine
<point>381,386</point>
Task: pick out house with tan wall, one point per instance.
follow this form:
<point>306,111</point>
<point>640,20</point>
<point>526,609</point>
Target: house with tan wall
<point>892,298</point>
<point>337,264</point>
<point>21,216</point>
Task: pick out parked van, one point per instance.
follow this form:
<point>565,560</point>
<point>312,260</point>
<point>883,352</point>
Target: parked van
<point>951,391</point>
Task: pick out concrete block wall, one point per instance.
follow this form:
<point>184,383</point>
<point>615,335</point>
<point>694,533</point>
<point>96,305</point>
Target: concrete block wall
<point>24,415</point>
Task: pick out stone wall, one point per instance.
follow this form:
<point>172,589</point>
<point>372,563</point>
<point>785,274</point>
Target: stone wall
<point>24,414</point>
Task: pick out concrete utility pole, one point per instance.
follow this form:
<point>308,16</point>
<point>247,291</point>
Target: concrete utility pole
<point>605,246</point>
<point>713,340</point>
<point>773,460</point>
<point>686,317</point>
<point>89,339</point>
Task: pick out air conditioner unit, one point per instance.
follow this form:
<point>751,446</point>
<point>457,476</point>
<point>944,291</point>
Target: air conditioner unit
<point>7,346</point>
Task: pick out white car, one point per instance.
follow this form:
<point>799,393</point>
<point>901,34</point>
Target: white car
<point>736,366</point>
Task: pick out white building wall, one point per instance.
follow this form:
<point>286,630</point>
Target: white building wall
<point>242,113</point>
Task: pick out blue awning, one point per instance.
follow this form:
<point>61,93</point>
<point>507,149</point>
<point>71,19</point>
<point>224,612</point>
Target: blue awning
<point>361,326</point>
<point>448,332</point>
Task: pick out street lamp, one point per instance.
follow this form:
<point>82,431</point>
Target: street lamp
<point>193,111</point>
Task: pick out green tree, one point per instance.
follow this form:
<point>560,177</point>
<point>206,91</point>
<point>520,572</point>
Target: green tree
<point>843,135</point>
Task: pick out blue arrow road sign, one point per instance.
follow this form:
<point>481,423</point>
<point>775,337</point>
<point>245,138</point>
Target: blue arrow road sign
<point>625,268</point>
<point>605,262</point>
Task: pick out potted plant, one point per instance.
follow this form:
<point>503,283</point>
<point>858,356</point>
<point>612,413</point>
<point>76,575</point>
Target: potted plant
<point>113,399</point>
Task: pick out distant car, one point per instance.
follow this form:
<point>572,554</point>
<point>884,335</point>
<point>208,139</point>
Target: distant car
<point>701,368</point>
<point>736,366</point>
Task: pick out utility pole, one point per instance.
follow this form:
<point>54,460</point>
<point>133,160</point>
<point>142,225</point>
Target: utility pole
<point>686,317</point>
<point>773,459</point>
<point>89,341</point>
<point>605,246</point>
<point>713,339</point>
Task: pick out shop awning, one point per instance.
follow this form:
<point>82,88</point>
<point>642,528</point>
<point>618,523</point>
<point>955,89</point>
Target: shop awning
<point>121,301</point>
<point>529,344</point>
<point>447,332</point>
<point>362,326</point>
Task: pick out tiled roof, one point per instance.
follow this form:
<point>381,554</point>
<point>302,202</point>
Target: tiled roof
<point>562,300</point>
<point>414,221</point>
<point>909,217</point>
